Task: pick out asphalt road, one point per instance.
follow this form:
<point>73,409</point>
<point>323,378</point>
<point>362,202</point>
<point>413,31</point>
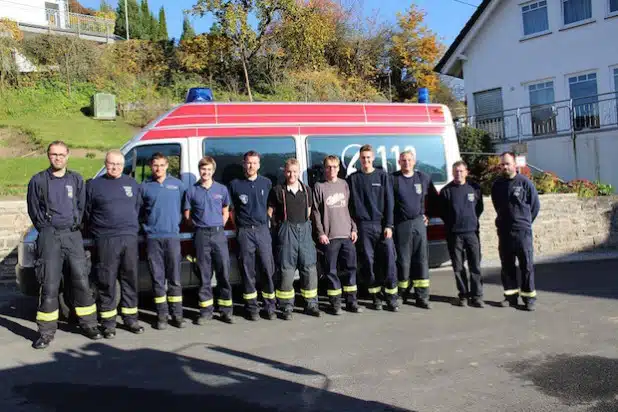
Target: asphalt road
<point>563,357</point>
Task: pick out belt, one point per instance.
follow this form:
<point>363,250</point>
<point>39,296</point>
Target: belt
<point>210,229</point>
<point>65,229</point>
<point>252,227</point>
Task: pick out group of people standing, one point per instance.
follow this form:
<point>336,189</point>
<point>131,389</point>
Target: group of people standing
<point>372,223</point>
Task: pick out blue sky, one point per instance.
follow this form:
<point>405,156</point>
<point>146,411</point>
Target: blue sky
<point>445,17</point>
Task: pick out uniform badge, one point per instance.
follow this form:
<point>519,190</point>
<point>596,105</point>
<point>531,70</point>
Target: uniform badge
<point>517,191</point>
<point>128,190</point>
<point>471,197</point>
<point>244,199</point>
<point>171,187</point>
<point>69,191</point>
<point>419,188</point>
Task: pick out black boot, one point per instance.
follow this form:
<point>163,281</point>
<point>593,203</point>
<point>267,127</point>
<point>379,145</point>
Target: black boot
<point>92,333</point>
<point>313,310</point>
<point>43,341</point>
<point>109,333</point>
<point>354,308</point>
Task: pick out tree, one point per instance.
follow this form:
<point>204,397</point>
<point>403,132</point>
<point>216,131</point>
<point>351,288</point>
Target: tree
<point>232,16</point>
<point>187,29</point>
<point>415,51</point>
<point>305,34</point>
<point>76,7</point>
<point>135,27</point>
<point>145,19</point>
<point>163,35</point>
<point>105,7</point>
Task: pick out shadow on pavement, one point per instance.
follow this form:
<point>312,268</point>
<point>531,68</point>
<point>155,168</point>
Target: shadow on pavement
<point>592,278</point>
<point>98,377</point>
<point>575,380</point>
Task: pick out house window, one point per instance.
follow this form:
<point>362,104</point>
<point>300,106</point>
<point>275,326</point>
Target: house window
<point>489,112</point>
<point>576,10</point>
<point>535,18</point>
<point>613,6</point>
<point>541,112</point>
<point>583,91</point>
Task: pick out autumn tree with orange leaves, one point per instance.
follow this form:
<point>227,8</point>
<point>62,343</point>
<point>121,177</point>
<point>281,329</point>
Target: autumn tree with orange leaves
<point>415,51</point>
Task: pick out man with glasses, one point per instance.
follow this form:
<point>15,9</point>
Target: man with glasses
<point>112,208</point>
<point>56,199</point>
<point>337,235</point>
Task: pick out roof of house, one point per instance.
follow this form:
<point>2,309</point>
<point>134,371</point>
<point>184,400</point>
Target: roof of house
<point>462,35</point>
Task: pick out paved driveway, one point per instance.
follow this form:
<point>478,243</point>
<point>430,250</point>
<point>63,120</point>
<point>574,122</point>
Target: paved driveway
<point>563,357</point>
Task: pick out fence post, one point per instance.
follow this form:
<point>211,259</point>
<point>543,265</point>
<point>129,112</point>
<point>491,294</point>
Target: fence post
<point>518,119</point>
<point>573,136</point>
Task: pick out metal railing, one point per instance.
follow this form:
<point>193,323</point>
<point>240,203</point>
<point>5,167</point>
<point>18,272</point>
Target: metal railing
<point>562,117</point>
<point>79,23</point>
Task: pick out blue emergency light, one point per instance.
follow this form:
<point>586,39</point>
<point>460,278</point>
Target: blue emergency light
<point>423,95</point>
<point>199,94</point>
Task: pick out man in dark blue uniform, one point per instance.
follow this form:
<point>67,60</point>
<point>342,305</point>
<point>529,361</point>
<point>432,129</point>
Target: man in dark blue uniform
<point>162,196</point>
<point>112,207</point>
<point>412,188</point>
<point>517,205</point>
<point>371,207</point>
<point>289,205</point>
<point>207,208</point>
<point>250,198</point>
<point>461,205</point>
<point>56,198</point>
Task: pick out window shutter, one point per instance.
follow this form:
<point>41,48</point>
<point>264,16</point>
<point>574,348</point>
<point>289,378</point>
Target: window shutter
<point>488,103</point>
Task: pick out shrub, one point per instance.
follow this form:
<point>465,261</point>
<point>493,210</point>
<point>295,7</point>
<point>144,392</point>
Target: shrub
<point>604,189</point>
<point>547,182</point>
<point>583,187</point>
<point>478,141</point>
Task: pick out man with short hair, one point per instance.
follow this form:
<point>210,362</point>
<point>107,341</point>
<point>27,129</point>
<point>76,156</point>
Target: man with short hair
<point>162,196</point>
<point>289,206</point>
<point>517,205</point>
<point>461,205</point>
<point>207,208</point>
<point>412,188</point>
<point>250,197</point>
<point>337,235</point>
<point>371,206</point>
<point>56,199</point>
<point>112,216</point>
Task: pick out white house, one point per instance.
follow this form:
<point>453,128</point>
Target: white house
<point>544,73</point>
<point>41,16</point>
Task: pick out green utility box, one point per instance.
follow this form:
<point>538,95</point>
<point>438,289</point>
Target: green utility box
<point>104,106</point>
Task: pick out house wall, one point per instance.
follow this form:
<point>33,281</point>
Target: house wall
<point>594,157</point>
<point>30,11</point>
<point>498,56</point>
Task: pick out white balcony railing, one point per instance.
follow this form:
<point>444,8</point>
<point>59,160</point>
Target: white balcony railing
<point>79,23</point>
<point>567,116</point>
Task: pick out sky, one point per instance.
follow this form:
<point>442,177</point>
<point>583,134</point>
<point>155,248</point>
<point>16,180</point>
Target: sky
<point>445,17</point>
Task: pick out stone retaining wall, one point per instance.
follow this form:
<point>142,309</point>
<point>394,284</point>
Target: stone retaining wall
<point>566,224</point>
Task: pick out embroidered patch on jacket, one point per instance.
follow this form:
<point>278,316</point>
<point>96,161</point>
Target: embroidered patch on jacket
<point>128,190</point>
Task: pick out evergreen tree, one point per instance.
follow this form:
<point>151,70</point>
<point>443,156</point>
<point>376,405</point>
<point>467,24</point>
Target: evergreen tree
<point>163,35</point>
<point>187,30</point>
<point>135,27</point>
<point>146,20</point>
<point>105,7</point>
